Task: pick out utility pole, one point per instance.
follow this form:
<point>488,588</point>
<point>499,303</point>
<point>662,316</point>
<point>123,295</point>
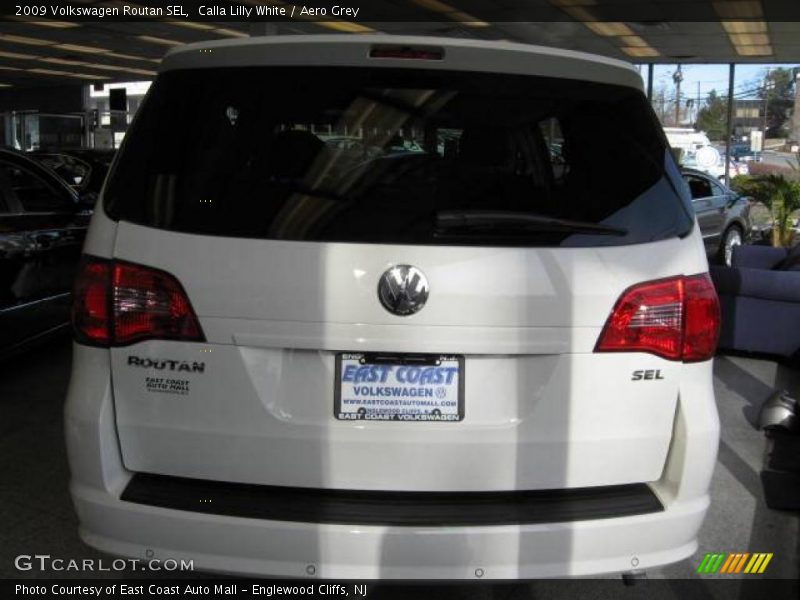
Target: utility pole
<point>729,123</point>
<point>766,105</point>
<point>677,77</point>
<point>697,106</point>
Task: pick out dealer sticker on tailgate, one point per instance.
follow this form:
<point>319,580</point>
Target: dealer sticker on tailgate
<point>399,387</point>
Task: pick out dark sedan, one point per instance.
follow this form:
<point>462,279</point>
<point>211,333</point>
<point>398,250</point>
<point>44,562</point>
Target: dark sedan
<point>42,227</point>
<point>723,215</point>
<point>83,169</point>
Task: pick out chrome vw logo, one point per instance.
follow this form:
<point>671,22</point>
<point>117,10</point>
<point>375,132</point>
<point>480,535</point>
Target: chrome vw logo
<point>403,290</point>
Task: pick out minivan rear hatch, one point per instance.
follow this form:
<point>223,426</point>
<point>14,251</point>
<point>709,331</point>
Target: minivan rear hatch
<point>281,198</point>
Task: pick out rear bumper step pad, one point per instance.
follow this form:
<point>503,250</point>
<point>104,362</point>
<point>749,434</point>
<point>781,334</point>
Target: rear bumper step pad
<point>308,505</point>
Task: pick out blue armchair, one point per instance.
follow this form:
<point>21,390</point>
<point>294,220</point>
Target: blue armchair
<point>760,302</point>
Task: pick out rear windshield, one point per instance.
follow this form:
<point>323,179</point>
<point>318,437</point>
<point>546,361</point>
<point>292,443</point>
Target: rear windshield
<point>398,156</point>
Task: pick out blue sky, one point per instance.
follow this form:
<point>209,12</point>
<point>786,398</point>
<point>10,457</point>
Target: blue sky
<point>710,77</point>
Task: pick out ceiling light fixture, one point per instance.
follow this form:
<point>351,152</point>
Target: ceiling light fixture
<point>633,41</point>
<point>65,74</point>
<point>603,28</point>
<point>47,71</point>
<point>160,41</point>
<point>61,61</point>
<point>54,24</point>
<point>191,25</point>
<point>231,32</point>
<point>345,26</point>
<point>749,39</point>
<point>17,55</point>
<point>87,76</point>
<point>763,50</point>
<point>118,68</point>
<point>104,67</point>
<point>631,44</point>
<point>609,28</point>
<point>640,52</point>
<point>43,22</point>
<point>80,48</point>
<point>452,13</point>
<point>131,57</point>
<point>745,26</point>
<point>21,39</point>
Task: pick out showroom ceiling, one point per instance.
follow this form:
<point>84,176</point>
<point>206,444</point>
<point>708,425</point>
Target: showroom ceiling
<point>642,31</point>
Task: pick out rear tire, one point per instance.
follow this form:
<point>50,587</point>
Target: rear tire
<point>732,237</point>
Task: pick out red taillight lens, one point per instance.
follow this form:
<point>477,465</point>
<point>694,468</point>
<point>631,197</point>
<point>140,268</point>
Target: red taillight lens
<point>91,310</point>
<point>701,319</point>
<point>117,303</point>
<point>676,318</point>
<point>150,304</point>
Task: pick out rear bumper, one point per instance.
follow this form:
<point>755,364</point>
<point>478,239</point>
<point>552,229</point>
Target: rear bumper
<point>407,509</point>
<point>265,546</point>
<point>283,548</point>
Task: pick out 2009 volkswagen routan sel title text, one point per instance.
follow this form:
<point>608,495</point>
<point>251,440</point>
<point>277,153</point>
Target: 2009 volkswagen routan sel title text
<point>374,307</point>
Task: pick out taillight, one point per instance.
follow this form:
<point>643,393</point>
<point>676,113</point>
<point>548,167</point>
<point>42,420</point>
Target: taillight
<point>118,303</point>
<point>91,311</point>
<point>676,318</point>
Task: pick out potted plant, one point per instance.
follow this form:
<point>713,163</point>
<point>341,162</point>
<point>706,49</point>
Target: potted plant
<point>781,195</point>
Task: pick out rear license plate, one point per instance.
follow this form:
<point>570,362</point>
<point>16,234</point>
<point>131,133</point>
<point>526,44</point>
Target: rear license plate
<point>399,387</point>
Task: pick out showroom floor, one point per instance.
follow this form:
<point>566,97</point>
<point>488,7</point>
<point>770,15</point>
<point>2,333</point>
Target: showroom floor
<point>37,515</point>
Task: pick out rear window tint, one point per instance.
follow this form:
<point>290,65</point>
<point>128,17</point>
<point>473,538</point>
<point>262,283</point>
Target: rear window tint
<point>375,155</point>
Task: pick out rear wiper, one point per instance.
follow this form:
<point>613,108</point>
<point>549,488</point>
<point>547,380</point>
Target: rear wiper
<point>507,220</point>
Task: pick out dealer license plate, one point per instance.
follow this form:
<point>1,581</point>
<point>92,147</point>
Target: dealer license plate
<point>399,387</point>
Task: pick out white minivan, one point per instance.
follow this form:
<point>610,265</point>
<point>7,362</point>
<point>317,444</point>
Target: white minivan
<point>388,307</point>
